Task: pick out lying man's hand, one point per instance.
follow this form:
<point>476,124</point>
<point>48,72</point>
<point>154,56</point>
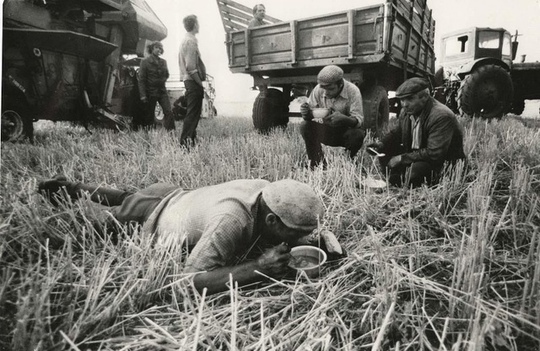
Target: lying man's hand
<point>274,261</point>
<point>305,111</point>
<point>338,119</point>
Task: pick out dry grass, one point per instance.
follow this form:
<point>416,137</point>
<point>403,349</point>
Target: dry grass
<point>454,267</point>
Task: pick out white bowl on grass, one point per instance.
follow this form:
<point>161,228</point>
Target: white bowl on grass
<point>307,258</point>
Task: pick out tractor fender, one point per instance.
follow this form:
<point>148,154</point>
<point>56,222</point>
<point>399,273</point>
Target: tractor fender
<point>471,66</point>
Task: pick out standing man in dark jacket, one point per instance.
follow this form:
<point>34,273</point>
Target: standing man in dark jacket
<point>426,136</point>
<point>153,74</point>
<point>193,73</point>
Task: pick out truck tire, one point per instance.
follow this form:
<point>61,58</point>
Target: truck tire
<point>376,109</point>
<point>16,120</point>
<point>518,106</point>
<point>270,110</point>
<point>486,92</point>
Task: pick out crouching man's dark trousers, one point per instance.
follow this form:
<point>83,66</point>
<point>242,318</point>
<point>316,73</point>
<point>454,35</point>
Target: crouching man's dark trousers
<point>315,134</point>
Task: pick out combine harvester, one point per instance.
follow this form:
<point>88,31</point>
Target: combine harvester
<point>71,60</point>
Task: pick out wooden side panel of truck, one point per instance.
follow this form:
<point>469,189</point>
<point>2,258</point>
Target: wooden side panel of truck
<point>397,33</point>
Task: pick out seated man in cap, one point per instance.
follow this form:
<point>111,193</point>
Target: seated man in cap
<point>220,225</point>
<point>426,136</point>
<point>343,126</point>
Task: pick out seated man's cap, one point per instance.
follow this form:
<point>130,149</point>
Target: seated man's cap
<point>295,203</point>
<point>411,86</point>
<point>329,74</point>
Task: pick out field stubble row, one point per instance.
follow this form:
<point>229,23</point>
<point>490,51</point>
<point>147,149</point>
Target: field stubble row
<point>453,267</point>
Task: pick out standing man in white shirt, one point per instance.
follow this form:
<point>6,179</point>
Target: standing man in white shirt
<point>193,73</point>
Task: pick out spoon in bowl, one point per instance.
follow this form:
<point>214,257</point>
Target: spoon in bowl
<point>374,152</point>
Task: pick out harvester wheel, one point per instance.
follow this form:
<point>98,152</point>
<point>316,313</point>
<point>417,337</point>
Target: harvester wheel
<point>486,92</point>
<point>376,109</point>
<point>16,120</point>
<point>270,110</point>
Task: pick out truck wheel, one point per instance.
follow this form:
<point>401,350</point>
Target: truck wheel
<point>376,109</point>
<point>270,110</point>
<point>487,92</point>
<point>518,106</point>
<point>16,120</point>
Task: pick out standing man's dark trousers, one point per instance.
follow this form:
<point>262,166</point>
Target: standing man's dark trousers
<point>194,99</point>
<point>315,134</point>
<point>165,102</point>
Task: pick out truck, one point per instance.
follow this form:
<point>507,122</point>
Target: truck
<point>479,75</point>
<point>378,47</point>
<point>70,60</point>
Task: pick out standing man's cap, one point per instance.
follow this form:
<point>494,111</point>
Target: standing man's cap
<point>411,86</point>
<point>295,203</point>
<point>329,74</point>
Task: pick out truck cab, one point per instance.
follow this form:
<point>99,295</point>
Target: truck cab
<point>460,51</point>
<point>475,72</point>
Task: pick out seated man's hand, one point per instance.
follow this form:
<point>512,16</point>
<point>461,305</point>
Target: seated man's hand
<point>338,119</point>
<point>394,161</point>
<point>274,261</point>
<point>305,111</point>
<point>376,145</point>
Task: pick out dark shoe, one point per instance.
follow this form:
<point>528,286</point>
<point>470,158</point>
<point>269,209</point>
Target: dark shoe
<point>52,188</point>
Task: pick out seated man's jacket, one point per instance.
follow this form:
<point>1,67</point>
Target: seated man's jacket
<point>441,137</point>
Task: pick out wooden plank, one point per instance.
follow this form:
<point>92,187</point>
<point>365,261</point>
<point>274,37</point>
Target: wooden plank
<point>423,20</point>
<point>231,10</point>
<point>294,40</point>
<point>271,44</point>
<point>350,30</point>
<point>275,57</point>
<point>323,37</point>
<point>323,22</point>
<point>366,39</point>
<point>236,5</point>
<point>275,29</point>
<point>315,53</point>
<point>248,48</point>
<point>225,10</point>
<point>317,63</point>
<point>231,25</point>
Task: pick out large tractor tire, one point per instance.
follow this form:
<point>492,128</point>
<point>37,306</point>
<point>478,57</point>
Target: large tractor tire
<point>16,120</point>
<point>270,110</point>
<point>376,109</point>
<point>486,92</point>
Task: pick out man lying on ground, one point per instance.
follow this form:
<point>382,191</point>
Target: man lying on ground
<point>220,224</point>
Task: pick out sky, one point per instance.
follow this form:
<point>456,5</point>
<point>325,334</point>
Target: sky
<point>450,15</point>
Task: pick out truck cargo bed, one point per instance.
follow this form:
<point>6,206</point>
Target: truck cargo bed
<point>397,32</point>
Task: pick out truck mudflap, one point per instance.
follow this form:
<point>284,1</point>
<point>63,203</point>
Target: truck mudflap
<point>62,41</point>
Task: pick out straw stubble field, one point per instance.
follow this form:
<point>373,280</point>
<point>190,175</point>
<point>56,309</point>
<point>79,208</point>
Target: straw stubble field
<point>453,267</point>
